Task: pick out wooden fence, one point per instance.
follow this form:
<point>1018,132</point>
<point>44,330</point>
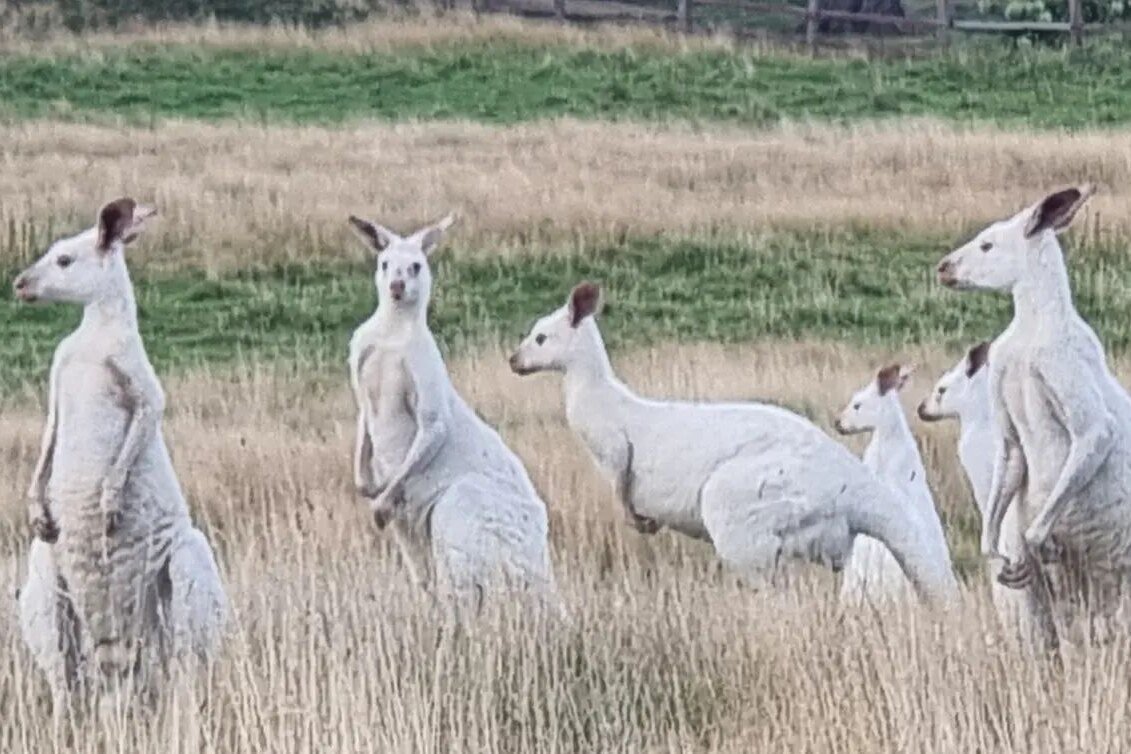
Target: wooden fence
<point>941,26</point>
<point>942,23</point>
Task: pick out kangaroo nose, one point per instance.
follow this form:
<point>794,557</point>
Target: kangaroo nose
<point>946,273</point>
<point>21,283</point>
<point>397,288</point>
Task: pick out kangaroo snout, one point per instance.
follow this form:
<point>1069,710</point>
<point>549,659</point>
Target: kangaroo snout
<point>397,289</point>
<point>924,413</point>
<point>22,288</point>
<point>517,366</point>
<point>946,273</point>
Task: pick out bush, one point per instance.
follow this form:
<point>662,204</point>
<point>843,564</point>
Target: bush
<point>1055,10</point>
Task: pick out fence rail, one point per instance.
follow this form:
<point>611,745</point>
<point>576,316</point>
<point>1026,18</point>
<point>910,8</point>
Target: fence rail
<point>941,25</point>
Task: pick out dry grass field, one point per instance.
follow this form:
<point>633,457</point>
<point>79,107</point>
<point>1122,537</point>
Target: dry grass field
<point>234,195</point>
<point>401,31</point>
<point>331,653</point>
<point>329,649</point>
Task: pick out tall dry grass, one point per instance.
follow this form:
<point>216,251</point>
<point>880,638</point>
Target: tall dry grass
<point>413,27</point>
<point>237,194</point>
<point>666,653</point>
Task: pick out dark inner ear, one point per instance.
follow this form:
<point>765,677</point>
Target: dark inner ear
<point>583,302</point>
<point>1055,210</point>
<point>113,222</point>
<point>888,379</point>
<point>375,238</point>
<point>977,358</point>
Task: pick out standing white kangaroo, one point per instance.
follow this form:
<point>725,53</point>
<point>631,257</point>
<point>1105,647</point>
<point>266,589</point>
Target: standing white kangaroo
<point>422,456</point>
<point>872,574</point>
<point>1064,421</point>
<point>129,585</point>
<point>758,481</point>
<point>963,393</point>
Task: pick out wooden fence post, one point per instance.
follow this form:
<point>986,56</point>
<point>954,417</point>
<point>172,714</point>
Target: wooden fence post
<point>943,30</point>
<point>1076,22</point>
<point>683,14</point>
<point>559,8</point>
<point>811,22</point>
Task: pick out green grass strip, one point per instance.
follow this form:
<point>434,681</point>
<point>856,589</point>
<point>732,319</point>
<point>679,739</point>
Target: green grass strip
<point>856,288</point>
<point>510,83</point>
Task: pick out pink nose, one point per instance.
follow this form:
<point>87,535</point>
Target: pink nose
<point>397,288</point>
<point>20,284</point>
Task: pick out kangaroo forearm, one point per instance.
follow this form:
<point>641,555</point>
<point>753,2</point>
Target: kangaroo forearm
<point>1083,463</point>
<point>42,473</point>
<point>1009,483</point>
<point>43,466</point>
<point>363,456</point>
<point>141,429</point>
<point>424,449</point>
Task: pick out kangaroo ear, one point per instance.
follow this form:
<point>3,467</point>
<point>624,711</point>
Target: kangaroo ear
<point>584,300</point>
<point>892,377</point>
<point>977,358</point>
<point>431,236</point>
<point>1057,210</point>
<point>377,237</point>
<point>121,220</point>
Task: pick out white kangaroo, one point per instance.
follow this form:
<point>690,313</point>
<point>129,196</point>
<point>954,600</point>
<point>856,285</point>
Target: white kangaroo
<point>758,481</point>
<point>872,574</point>
<point>129,585</point>
<point>963,394</point>
<point>422,457</point>
<point>1064,421</point>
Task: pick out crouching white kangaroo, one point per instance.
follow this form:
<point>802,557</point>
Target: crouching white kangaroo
<point>423,458</point>
<point>129,585</point>
<point>758,481</point>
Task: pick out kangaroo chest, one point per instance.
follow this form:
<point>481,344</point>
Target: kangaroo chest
<point>1044,441</point>
<point>391,397</point>
<point>93,409</point>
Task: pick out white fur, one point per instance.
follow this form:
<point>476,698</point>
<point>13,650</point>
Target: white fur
<point>129,572</point>
<point>424,459</point>
<point>872,574</point>
<point>759,482</point>
<point>1064,422</point>
<point>963,393</point>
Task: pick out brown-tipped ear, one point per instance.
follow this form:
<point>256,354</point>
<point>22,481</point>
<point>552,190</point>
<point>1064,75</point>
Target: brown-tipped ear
<point>1056,211</point>
<point>583,302</point>
<point>431,236</point>
<point>114,221</point>
<point>977,358</point>
<point>374,235</point>
<point>890,378</point>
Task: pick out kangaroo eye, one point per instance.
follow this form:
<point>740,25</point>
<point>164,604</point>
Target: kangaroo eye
<point>64,261</point>
<point>540,338</point>
<point>855,406</point>
<point>942,391</point>
<point>986,246</point>
<point>416,268</point>
<point>385,265</point>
